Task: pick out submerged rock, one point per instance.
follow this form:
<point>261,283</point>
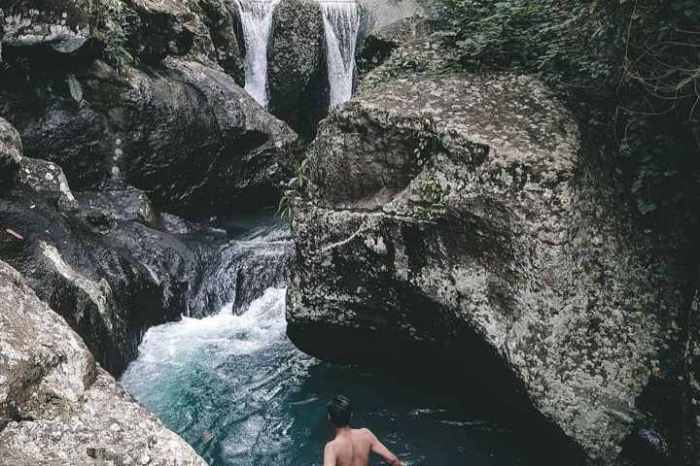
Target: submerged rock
<point>57,406</point>
<point>460,219</point>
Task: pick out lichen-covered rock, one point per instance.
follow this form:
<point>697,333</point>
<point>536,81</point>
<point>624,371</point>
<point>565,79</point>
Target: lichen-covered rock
<point>57,406</point>
<point>296,63</point>
<point>462,214</point>
<point>419,54</point>
<point>47,180</point>
<point>692,380</point>
<point>127,204</point>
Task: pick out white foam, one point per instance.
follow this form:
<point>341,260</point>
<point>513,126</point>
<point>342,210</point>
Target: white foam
<point>215,337</point>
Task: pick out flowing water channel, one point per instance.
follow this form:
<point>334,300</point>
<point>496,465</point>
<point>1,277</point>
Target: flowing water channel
<point>241,394</point>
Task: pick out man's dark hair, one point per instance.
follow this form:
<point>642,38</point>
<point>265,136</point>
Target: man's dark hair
<point>340,411</point>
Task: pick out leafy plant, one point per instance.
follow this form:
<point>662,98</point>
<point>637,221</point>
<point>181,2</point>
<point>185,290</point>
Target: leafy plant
<point>290,195</point>
<point>108,25</point>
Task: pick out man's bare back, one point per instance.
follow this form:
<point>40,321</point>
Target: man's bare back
<point>352,447</point>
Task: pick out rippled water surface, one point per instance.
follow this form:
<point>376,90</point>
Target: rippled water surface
<point>238,391</point>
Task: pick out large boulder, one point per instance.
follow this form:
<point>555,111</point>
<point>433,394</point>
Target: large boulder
<point>184,132</point>
<point>461,219</point>
<point>297,68</point>
<point>57,406</point>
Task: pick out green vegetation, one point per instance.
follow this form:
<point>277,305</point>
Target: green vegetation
<point>108,20</point>
<point>630,69</point>
<point>432,196</point>
<point>292,194</point>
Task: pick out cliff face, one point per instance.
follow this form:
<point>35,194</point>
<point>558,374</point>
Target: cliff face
<point>462,218</point>
<point>57,406</point>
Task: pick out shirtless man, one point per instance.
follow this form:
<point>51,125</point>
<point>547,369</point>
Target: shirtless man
<point>351,447</point>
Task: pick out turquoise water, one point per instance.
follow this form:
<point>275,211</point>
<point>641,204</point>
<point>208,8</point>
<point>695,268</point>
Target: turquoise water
<point>238,391</point>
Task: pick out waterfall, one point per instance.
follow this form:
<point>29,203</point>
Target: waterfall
<point>341,23</point>
<point>256,20</point>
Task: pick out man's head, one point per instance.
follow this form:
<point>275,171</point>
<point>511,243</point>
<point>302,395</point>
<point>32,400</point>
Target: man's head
<point>340,411</point>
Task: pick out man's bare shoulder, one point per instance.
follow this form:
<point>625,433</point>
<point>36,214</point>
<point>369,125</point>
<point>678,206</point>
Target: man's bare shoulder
<point>333,444</point>
<point>331,449</point>
<point>364,432</point>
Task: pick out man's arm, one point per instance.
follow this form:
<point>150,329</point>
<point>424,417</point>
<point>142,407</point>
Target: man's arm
<point>328,455</point>
<point>379,449</point>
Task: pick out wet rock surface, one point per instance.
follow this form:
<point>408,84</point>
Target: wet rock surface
<point>97,258</point>
<point>237,272</point>
<point>110,278</point>
<point>461,214</point>
<point>57,406</point>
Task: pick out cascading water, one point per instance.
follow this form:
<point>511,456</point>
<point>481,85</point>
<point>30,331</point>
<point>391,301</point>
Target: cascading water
<point>341,23</point>
<point>241,394</point>
<point>256,21</point>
